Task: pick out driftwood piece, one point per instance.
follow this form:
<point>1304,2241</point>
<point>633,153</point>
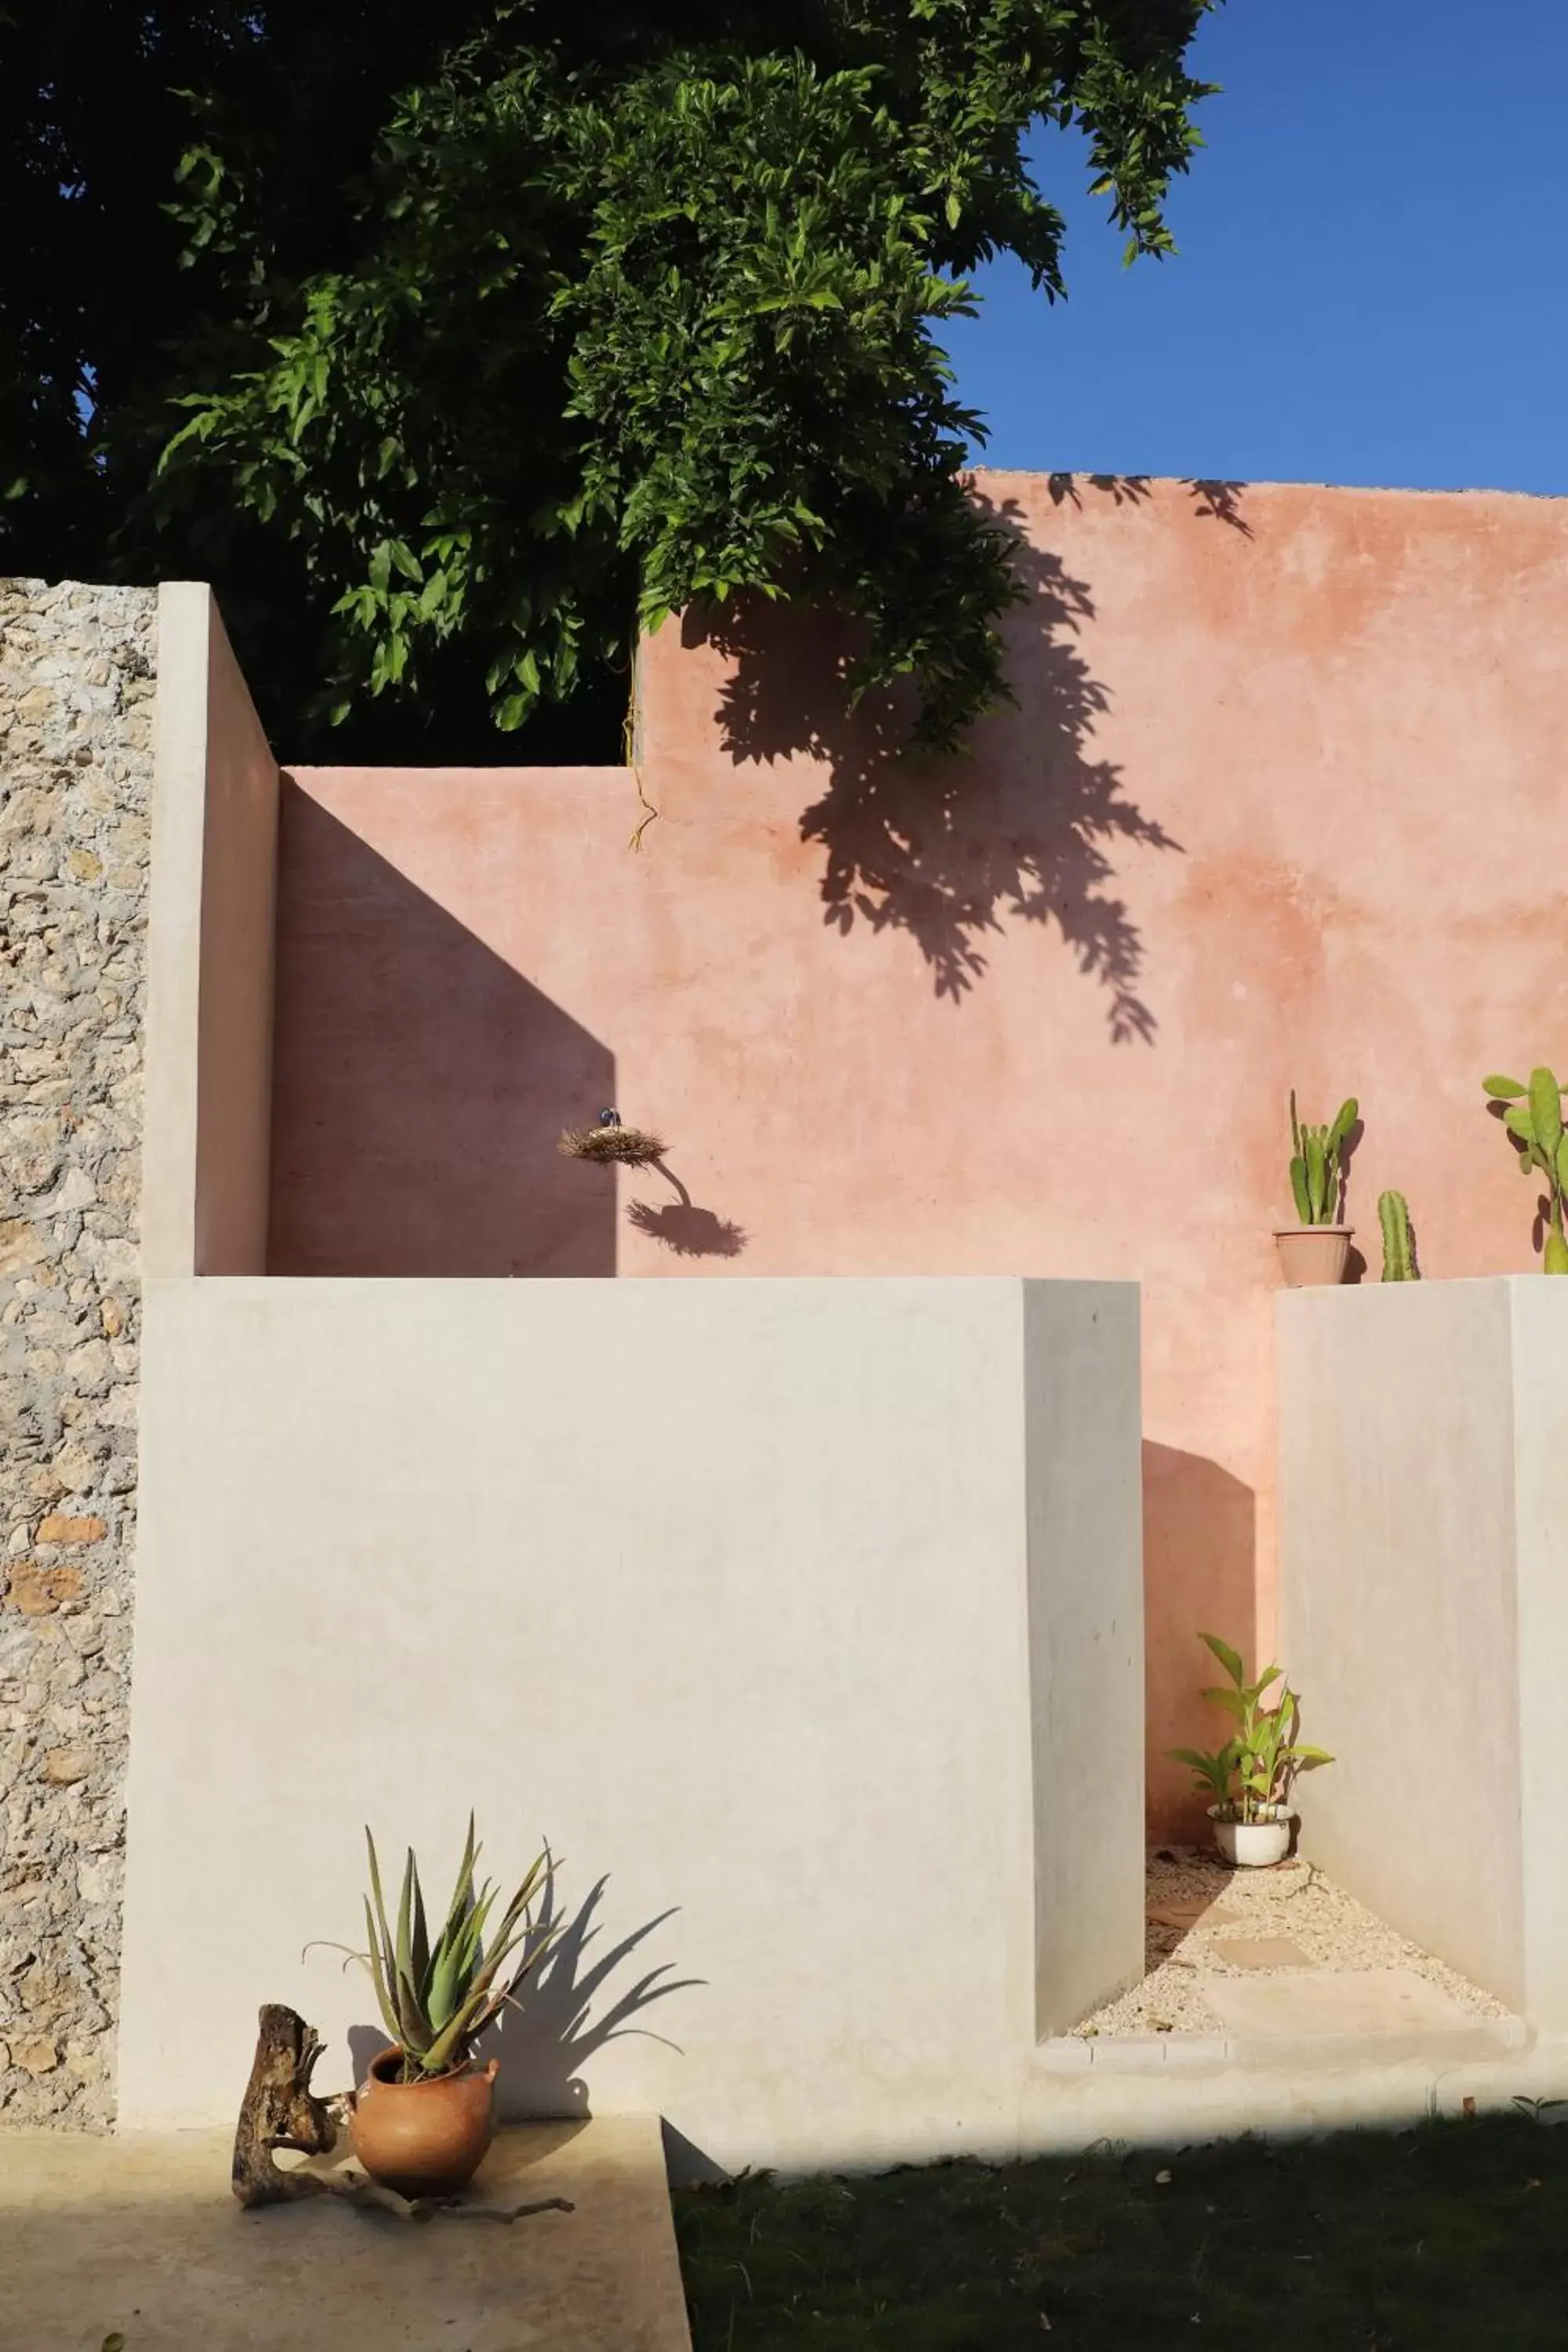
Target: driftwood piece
<point>280,2110</point>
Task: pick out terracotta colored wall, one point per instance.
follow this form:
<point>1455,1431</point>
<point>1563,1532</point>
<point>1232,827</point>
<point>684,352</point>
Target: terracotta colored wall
<point>1281,803</point>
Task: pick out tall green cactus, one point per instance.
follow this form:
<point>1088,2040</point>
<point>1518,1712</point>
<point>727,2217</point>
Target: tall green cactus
<point>1398,1248</point>
<point>1316,1173</point>
<point>1534,1119</point>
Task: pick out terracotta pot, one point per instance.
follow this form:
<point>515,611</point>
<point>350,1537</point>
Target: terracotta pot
<point>424,2139</point>
<point>1310,1255</point>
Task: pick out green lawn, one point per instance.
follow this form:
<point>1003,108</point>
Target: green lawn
<point>1451,2238</point>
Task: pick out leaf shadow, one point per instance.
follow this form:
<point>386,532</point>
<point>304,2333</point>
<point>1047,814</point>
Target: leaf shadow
<point>951,851</point>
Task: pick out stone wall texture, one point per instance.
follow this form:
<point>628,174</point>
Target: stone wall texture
<point>76,688</point>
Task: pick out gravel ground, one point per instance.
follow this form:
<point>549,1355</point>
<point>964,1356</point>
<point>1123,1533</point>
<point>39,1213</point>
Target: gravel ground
<point>1294,1900</point>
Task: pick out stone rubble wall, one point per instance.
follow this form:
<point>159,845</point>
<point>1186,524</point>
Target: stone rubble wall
<point>76,688</point>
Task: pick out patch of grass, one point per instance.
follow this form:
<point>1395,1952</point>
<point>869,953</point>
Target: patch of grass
<point>1450,2238</point>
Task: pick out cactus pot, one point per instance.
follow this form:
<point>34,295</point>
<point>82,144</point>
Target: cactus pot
<point>423,2139</point>
<point>1253,1845</point>
<point>1312,1254</point>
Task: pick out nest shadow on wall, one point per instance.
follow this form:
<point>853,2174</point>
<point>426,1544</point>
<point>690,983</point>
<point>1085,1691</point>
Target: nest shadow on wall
<point>947,851</point>
<point>680,1224</point>
<point>683,1227</point>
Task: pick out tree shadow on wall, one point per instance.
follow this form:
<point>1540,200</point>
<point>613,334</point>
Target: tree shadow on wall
<point>1213,499</point>
<point>953,850</point>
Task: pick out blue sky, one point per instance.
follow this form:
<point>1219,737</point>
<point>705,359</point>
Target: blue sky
<point>1370,286</point>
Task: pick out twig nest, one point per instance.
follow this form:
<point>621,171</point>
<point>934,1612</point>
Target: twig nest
<point>634,1147</point>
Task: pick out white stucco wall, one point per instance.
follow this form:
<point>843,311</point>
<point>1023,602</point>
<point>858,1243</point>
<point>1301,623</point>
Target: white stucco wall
<point>1538,1314</point>
<point>1424,1561</point>
<point>811,1608</point>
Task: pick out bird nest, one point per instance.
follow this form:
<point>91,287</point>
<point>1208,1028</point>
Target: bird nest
<point>632,1147</point>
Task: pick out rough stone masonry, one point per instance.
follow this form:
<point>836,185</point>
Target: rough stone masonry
<point>75,712</point>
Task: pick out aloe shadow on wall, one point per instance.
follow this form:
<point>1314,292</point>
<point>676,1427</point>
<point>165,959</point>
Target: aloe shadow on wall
<point>574,2001</point>
<point>419,1083</point>
<point>951,851</point>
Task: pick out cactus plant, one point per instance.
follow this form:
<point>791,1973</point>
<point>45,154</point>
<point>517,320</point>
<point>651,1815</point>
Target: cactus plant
<point>1398,1247</point>
<point>1534,1119</point>
<point>1316,1164</point>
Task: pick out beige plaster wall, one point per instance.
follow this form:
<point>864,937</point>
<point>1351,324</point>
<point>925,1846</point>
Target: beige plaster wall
<point>209,1052</point>
<point>1539,1315</point>
<point>1423,1541</point>
<point>790,1605</point>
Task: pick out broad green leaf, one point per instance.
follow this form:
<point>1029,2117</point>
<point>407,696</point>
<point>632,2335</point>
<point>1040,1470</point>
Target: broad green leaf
<point>1228,1658</point>
<point>671,294</point>
<point>1505,1089</point>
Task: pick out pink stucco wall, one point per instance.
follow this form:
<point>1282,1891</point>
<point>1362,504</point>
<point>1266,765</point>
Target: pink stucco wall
<point>1281,803</point>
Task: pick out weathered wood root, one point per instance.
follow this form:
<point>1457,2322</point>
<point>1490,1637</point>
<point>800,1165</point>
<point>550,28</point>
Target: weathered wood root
<point>280,2110</point>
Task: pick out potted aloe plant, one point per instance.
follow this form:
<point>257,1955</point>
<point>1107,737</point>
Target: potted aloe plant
<point>1315,1249</point>
<point>424,2117</point>
<point>1250,1779</point>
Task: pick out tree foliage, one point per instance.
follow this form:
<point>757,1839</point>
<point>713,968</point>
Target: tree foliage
<point>504,331</point>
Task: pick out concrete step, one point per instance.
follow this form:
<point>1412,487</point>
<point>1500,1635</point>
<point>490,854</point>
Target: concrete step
<point>140,2236</point>
<point>1157,2054</point>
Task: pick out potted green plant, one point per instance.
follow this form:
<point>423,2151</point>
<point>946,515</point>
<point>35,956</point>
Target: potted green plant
<point>424,2117</point>
<point>1315,1250</point>
<point>1533,1117</point>
<point>1248,1780</point>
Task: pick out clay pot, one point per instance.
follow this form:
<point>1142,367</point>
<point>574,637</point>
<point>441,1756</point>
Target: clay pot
<point>1311,1255</point>
<point>426,2138</point>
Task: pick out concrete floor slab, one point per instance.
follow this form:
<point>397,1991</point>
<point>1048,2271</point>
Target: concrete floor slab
<point>1366,2001</point>
<point>140,2236</point>
<point>1262,1952</point>
<point>1193,1914</point>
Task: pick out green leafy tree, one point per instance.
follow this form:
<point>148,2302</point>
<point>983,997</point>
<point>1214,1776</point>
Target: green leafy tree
<point>596,315</point>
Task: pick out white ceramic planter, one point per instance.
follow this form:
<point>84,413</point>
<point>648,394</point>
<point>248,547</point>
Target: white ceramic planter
<point>1252,1845</point>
